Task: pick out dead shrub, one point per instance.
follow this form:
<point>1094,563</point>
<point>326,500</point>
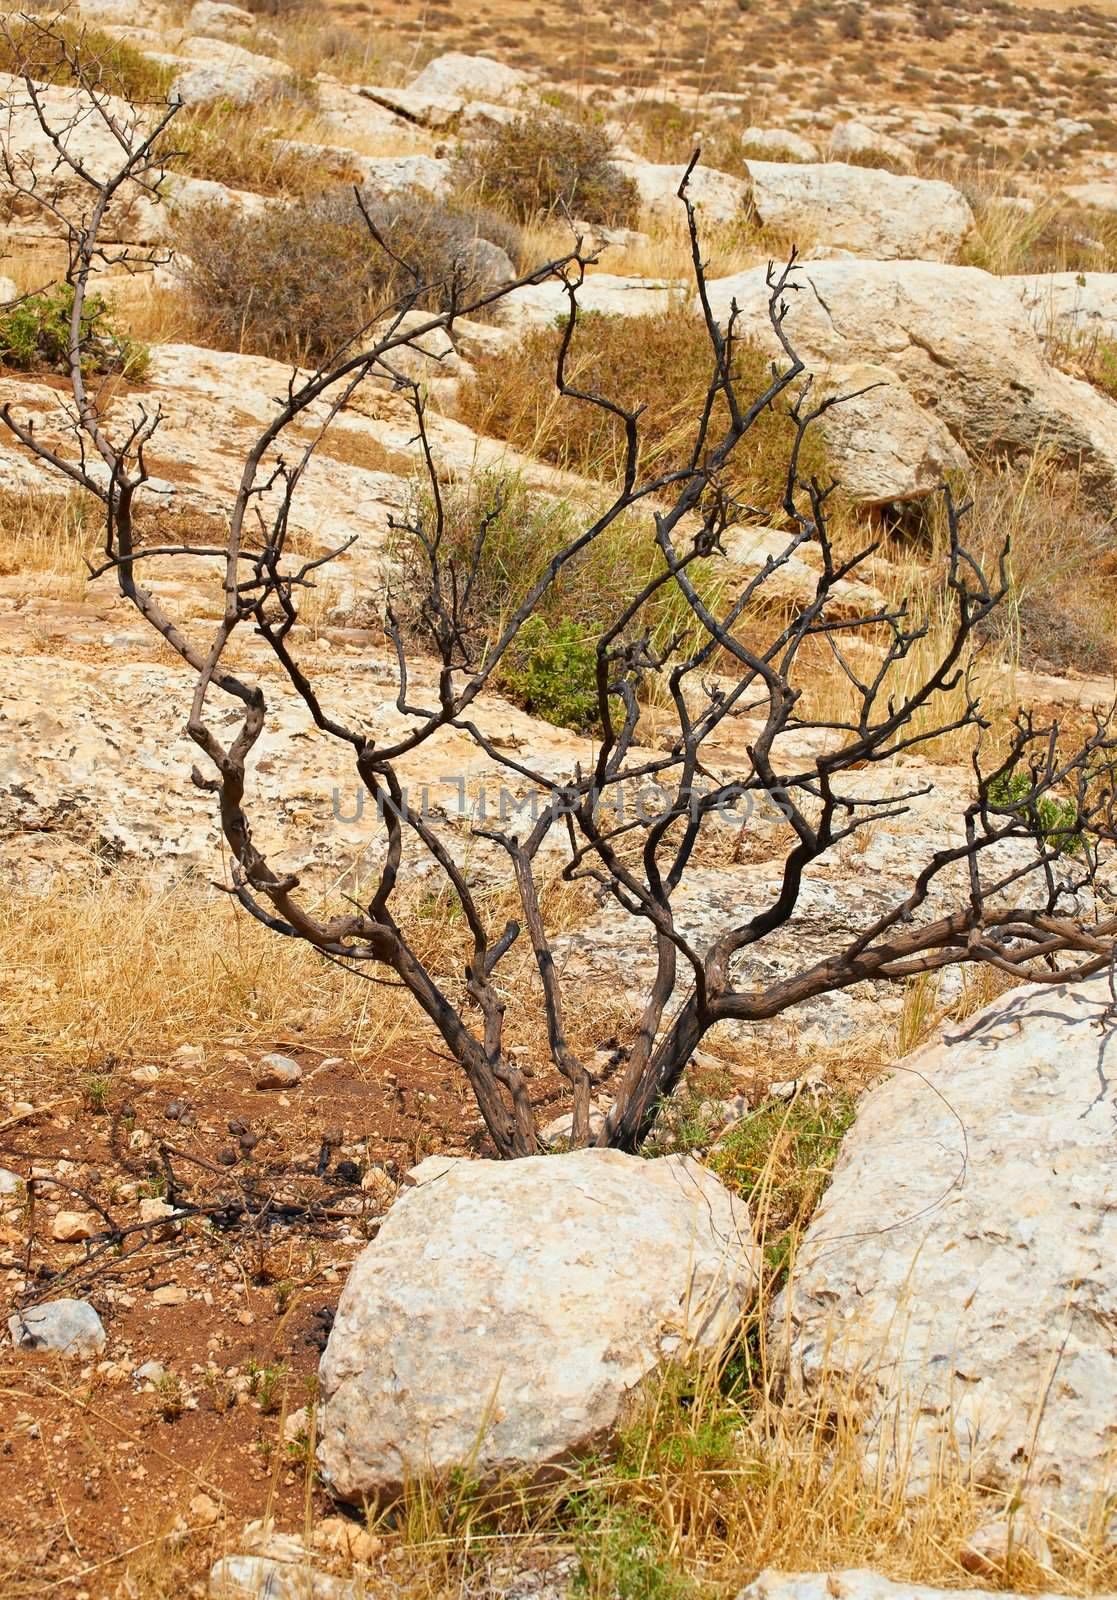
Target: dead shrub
<point>661,361</point>
<point>545,162</point>
<point>299,281</point>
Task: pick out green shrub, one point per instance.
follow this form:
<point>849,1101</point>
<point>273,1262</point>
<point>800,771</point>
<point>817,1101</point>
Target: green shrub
<point>662,361</point>
<point>35,336</point>
<point>552,668</point>
<point>1054,818</point>
<point>31,49</point>
<point>299,281</point>
<point>544,162</point>
<point>552,672</point>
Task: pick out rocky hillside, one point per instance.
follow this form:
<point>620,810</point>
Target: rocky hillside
<point>263,596</point>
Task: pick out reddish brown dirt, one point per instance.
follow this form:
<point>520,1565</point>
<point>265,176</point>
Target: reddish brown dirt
<point>99,1468</point>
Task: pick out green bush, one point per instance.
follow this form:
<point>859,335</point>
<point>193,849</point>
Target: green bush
<point>1054,818</point>
<point>32,49</point>
<point>35,336</point>
<point>544,162</point>
<point>662,361</point>
<point>552,672</point>
<point>552,668</point>
<point>299,281</point>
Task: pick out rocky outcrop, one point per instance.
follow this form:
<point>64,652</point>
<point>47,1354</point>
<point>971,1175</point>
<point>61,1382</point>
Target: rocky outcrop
<point>958,339</point>
<point>219,70</point>
<point>507,1311</point>
<point>959,1282</point>
<point>470,77</point>
<point>781,143</point>
<point>884,446</point>
<point>853,138</point>
<point>717,196</point>
<point>863,210</point>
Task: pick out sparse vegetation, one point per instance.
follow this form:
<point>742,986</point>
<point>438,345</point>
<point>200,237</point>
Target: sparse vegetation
<point>35,336</point>
<point>49,53</point>
<point>301,281</point>
<point>544,162</point>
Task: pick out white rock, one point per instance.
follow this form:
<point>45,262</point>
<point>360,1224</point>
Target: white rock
<point>859,1585</point>
<point>1098,195</point>
<point>539,304</point>
<point>276,1071</point>
<point>470,77</point>
<point>505,1311</point>
<point>794,579</point>
<point>858,139</point>
<point>154,1210</point>
<point>413,105</point>
<point>961,1273</point>
<point>391,175</point>
<point>10,1182</point>
<point>151,1372</point>
<point>71,1227</point>
<point>957,338</point>
<point>782,143</point>
<point>881,445</point>
<point>8,291</point>
<point>718,196</point>
<point>223,71</point>
<point>211,17</point>
<point>863,210</point>
<point>260,1578</point>
<point>70,1326</point>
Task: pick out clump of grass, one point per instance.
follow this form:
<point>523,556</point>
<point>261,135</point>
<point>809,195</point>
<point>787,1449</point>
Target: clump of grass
<point>299,281</point>
<point>48,52</point>
<point>545,162</point>
<point>48,535</point>
<point>1010,237</point>
<point>662,361</point>
<point>35,336</point>
<point>245,147</point>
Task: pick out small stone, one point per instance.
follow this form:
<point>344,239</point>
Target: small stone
<point>189,1053</point>
<point>995,1546</point>
<point>277,1072</point>
<point>10,1182</point>
<point>296,1425</point>
<point>378,1185</point>
<point>171,1294</point>
<point>153,1210</point>
<point>149,1073</point>
<point>204,1511</point>
<point>226,1157</point>
<point>339,1536</point>
<point>71,1326</point>
<point>151,1372</point>
<point>71,1227</point>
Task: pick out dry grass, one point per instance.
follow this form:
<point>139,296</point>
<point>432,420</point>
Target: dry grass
<point>48,537</point>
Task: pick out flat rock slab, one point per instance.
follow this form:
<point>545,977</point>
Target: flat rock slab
<point>507,1310</point>
<point>959,1281</point>
<point>69,1326</point>
<point>859,1585</point>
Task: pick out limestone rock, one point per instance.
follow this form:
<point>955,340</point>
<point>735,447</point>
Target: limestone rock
<point>223,71</point>
<point>881,444</point>
<point>470,77</point>
<point>961,1273</point>
<point>957,338</point>
<point>863,210</point>
<point>538,304</point>
<point>1100,194</point>
<point>277,1072</point>
<point>413,105</point>
<point>391,175</point>
<point>72,1227</point>
<point>859,1585</point>
<point>218,20</point>
<point>8,291</point>
<point>781,143</point>
<point>245,1577</point>
<point>70,1326</point>
<point>855,138</point>
<point>717,196</point>
<point>506,1310</point>
<point>793,579</point>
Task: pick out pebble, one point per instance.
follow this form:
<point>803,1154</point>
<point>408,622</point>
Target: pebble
<point>277,1072</point>
<point>170,1295</point>
<point>204,1511</point>
<point>10,1182</point>
<point>153,1210</point>
<point>150,1372</point>
<point>71,1326</point>
<point>71,1227</point>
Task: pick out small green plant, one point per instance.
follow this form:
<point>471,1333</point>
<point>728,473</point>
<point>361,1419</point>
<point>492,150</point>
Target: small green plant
<point>552,673</point>
<point>266,1383</point>
<point>97,1091</point>
<point>543,163</point>
<point>622,1550</point>
<point>284,1290</point>
<point>170,1397</point>
<point>35,336</point>
<point>1053,819</point>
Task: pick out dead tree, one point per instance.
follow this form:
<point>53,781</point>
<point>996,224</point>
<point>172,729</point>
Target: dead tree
<point>1030,844</point>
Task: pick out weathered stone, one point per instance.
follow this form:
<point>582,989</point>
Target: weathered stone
<point>793,577</point>
<point>957,338</point>
<point>1100,194</point>
<point>863,210</point>
<point>717,196</point>
<point>1070,307</point>
<point>426,110</point>
<point>72,1227</point>
<point>854,138</point>
<point>243,1577</point>
<point>223,71</point>
<point>505,1312</point>
<point>69,1326</point>
<point>960,1277</point>
<point>277,1072</point>
<point>219,21</point>
<point>470,77</point>
<point>781,143</point>
<point>881,445</point>
<point>860,1585</point>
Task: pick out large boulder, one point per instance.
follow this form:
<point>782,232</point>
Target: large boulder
<point>470,78</point>
<point>958,339</point>
<point>960,1278</point>
<point>863,210</point>
<point>507,1310</point>
<point>717,196</point>
<point>885,446</point>
<point>218,70</point>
